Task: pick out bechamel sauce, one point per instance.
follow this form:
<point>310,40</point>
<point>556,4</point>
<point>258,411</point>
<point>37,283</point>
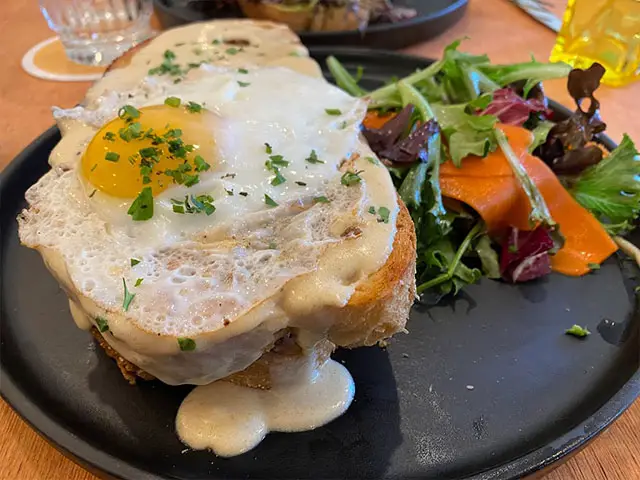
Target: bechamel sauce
<point>230,420</point>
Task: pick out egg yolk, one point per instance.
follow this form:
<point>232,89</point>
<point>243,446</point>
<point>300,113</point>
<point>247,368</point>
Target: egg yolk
<point>153,147</point>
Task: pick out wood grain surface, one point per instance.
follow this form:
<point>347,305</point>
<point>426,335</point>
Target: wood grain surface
<point>495,26</point>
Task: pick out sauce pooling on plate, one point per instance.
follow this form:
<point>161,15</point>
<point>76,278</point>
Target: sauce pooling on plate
<point>230,420</point>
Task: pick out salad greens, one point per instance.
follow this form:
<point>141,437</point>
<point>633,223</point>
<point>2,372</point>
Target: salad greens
<point>449,111</point>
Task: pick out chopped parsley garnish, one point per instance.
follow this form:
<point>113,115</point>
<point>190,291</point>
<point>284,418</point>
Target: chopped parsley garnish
<point>321,199</point>
<point>109,137</point>
<point>313,158</point>
<point>129,113</point>
<point>277,160</point>
<point>138,282</point>
<point>578,331</point>
<point>186,344</point>
<point>243,70</point>
<point>131,131</point>
<point>172,102</point>
<point>302,184</point>
<point>273,246</point>
<point>372,210</point>
<point>167,66</point>
<point>94,167</point>
<point>333,111</point>
<point>215,41</point>
<point>92,193</point>
<point>243,84</point>
<point>269,201</point>
<point>142,207</point>
<point>172,133</point>
<point>102,324</point>
<point>383,213</point>
<point>201,165</point>
<point>128,296</point>
<point>268,149</point>
<point>194,204</point>
<point>278,179</point>
<point>149,152</point>
<point>343,125</point>
<point>229,192</point>
<point>351,178</point>
<point>193,107</point>
<point>134,262</point>
<point>112,156</point>
<point>373,160</point>
<point>233,50</point>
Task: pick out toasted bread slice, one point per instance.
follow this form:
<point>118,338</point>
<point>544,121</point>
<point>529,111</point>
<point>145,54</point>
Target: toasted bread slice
<point>378,309</point>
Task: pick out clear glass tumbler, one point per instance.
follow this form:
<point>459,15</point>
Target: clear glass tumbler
<point>94,32</point>
<point>604,31</point>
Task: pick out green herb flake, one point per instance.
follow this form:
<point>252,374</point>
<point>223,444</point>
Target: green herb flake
<point>321,199</point>
<point>269,201</point>
<point>92,193</point>
<point>201,164</point>
<point>273,246</point>
<point>373,160</point>
<point>278,179</point>
<point>351,178</point>
<point>172,102</point>
<point>109,137</point>
<point>112,156</point>
<point>102,324</point>
<point>129,113</point>
<point>193,107</point>
<point>244,194</point>
<point>578,331</point>
<point>268,149</point>
<point>215,41</point>
<point>232,51</point>
<point>593,266</point>
<point>128,296</point>
<point>178,208</point>
<point>383,214</point>
<point>302,184</point>
<point>138,282</point>
<point>142,207</point>
<point>333,111</point>
<point>343,125</point>
<point>243,71</point>
<point>313,158</point>
<point>134,262</point>
<point>186,344</point>
<point>243,84</point>
<point>229,192</point>
<point>277,160</point>
<point>512,249</point>
<point>372,210</point>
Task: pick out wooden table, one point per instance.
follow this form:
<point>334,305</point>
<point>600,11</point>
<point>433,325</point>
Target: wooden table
<point>497,28</point>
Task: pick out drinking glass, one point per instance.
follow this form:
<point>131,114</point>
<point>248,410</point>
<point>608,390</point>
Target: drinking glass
<point>94,32</point>
<point>603,31</point>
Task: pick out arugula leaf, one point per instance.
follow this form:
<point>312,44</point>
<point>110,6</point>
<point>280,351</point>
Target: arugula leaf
<point>488,257</point>
<point>533,72</point>
<point>610,190</point>
<point>343,78</point>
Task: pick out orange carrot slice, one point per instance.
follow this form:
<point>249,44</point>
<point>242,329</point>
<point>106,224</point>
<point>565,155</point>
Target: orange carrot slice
<point>489,187</point>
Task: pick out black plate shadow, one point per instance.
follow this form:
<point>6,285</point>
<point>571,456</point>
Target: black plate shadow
<point>485,386</point>
<point>434,17</point>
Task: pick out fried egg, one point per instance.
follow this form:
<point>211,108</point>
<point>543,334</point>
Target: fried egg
<point>184,211</point>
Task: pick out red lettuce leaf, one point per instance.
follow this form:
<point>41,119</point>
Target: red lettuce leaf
<point>512,109</point>
<point>525,255</point>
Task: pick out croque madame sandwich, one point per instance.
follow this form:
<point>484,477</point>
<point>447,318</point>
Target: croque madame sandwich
<point>213,213</point>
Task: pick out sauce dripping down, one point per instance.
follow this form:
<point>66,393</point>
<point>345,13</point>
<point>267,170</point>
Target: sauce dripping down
<point>230,419</point>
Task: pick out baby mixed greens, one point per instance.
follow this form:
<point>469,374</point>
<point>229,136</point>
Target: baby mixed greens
<point>449,111</point>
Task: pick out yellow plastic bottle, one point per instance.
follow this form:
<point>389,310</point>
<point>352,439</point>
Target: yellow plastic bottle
<point>604,31</point>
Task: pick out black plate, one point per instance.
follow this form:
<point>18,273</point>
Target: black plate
<point>537,394</point>
<point>434,17</point>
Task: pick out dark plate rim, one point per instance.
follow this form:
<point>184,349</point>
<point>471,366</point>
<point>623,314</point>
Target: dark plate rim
<point>374,28</point>
<point>104,464</point>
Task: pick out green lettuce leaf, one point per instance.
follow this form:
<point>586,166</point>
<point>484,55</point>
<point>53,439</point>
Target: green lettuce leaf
<point>610,190</point>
